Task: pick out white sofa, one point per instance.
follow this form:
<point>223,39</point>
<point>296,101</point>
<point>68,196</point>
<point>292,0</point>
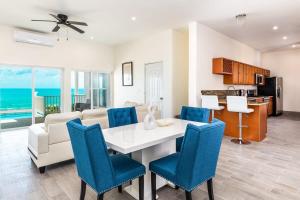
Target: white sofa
<point>49,142</point>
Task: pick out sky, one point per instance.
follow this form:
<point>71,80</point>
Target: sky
<point>17,77</point>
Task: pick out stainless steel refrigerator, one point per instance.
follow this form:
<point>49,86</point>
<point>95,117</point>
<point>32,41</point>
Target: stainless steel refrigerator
<point>273,87</point>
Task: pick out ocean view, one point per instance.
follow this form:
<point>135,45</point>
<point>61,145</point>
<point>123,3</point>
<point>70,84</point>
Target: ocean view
<point>20,98</point>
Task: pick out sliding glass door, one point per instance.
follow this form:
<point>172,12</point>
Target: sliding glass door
<point>15,97</point>
<point>47,93</point>
<point>100,90</point>
<point>90,90</point>
<point>28,94</point>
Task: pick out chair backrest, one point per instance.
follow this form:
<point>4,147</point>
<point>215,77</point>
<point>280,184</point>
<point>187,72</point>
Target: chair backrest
<point>199,154</point>
<point>237,103</point>
<point>90,151</point>
<point>122,116</point>
<point>210,101</point>
<point>195,114</point>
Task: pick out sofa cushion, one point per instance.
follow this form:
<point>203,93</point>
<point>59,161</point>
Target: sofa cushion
<point>92,114</point>
<point>57,118</point>
<point>103,121</point>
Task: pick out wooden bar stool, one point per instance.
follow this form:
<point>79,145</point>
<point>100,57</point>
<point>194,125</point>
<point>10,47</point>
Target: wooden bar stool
<point>211,102</point>
<point>239,104</point>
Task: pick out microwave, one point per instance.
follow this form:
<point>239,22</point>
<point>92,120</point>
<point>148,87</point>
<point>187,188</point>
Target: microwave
<point>259,79</point>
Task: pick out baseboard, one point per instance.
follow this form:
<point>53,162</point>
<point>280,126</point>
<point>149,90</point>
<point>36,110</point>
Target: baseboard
<point>291,113</point>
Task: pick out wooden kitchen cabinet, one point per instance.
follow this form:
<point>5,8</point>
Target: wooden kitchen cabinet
<point>222,66</point>
<point>251,75</point>
<point>237,73</point>
<point>267,73</point>
<point>234,77</point>
<point>270,106</point>
<point>248,75</point>
<point>241,73</point>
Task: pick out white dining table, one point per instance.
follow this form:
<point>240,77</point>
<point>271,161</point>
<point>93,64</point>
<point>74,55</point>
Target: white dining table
<point>146,146</point>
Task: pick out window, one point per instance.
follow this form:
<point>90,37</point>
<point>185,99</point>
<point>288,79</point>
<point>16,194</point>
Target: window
<point>89,90</point>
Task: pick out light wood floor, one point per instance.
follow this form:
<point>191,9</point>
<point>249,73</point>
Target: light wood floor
<point>266,170</point>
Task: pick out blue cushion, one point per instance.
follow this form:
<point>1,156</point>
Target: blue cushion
<point>126,168</point>
<point>195,114</point>
<point>166,166</point>
<point>121,116</point>
<point>192,114</point>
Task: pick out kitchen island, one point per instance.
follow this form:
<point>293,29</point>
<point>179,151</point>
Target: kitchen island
<point>256,121</point>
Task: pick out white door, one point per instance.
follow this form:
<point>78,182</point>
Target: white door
<point>154,84</point>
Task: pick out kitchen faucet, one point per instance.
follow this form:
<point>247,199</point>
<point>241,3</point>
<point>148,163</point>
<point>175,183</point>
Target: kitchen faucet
<point>231,86</point>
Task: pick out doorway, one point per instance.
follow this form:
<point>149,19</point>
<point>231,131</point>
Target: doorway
<point>154,85</point>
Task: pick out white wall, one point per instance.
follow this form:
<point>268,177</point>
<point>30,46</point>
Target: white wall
<point>286,64</point>
<point>206,44</point>
<point>71,54</point>
<point>80,54</point>
<point>155,48</point>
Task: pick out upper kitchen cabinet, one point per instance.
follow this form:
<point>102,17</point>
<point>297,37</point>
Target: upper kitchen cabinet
<point>267,73</point>
<point>241,73</point>
<point>232,78</point>
<point>222,66</point>
<point>237,73</point>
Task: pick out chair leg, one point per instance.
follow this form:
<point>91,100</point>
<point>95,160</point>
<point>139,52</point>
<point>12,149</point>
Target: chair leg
<point>188,195</point>
<point>141,188</point>
<point>153,185</point>
<point>120,189</point>
<point>83,189</point>
<point>42,170</point>
<point>100,196</point>
<point>210,189</point>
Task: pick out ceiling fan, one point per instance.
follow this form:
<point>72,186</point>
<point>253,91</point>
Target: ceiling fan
<point>63,20</point>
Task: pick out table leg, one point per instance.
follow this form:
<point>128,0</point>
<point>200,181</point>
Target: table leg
<point>145,156</point>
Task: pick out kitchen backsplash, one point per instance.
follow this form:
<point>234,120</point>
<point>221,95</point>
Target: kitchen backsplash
<point>221,93</point>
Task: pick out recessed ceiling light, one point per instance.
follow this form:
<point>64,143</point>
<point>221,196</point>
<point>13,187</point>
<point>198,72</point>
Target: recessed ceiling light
<point>284,38</point>
<point>133,18</point>
<point>275,28</point>
<point>241,19</point>
<point>294,46</point>
<point>91,37</point>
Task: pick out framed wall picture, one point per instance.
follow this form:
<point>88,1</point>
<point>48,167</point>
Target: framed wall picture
<point>127,74</point>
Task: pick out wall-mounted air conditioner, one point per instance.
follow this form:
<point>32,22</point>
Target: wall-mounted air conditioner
<point>34,38</point>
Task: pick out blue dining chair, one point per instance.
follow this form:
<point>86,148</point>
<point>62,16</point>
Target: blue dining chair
<point>195,163</point>
<point>192,114</point>
<point>121,116</point>
<point>94,165</point>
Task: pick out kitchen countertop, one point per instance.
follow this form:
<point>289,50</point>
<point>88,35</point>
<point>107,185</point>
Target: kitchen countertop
<point>250,103</point>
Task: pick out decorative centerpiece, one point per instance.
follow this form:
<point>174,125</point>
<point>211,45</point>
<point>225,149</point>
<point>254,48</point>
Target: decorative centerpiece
<point>149,120</point>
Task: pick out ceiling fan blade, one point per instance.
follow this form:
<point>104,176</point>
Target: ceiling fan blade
<point>56,28</point>
<point>78,23</point>
<point>75,28</point>
<point>55,17</point>
<point>37,20</point>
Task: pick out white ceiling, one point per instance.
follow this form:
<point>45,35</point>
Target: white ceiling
<point>110,20</point>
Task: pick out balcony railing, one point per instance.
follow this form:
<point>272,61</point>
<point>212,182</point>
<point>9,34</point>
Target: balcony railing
<point>52,104</point>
